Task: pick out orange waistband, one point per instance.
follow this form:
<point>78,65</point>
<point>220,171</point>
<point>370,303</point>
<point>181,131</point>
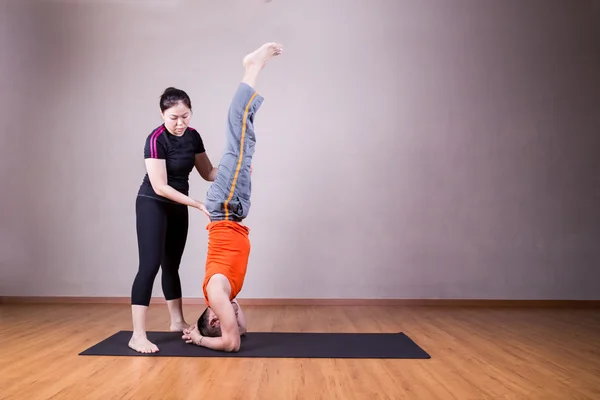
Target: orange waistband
<point>221,226</point>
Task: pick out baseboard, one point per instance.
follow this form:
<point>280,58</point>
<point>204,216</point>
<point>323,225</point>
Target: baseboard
<point>318,302</point>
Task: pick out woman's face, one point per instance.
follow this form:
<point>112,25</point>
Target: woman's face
<point>177,118</point>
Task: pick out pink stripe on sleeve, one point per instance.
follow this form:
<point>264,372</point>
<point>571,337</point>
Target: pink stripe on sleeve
<point>155,135</point>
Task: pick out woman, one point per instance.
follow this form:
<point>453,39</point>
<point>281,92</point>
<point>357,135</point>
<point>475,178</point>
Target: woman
<point>171,152</point>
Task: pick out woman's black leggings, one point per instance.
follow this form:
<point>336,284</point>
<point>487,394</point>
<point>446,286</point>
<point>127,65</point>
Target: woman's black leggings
<point>162,233</point>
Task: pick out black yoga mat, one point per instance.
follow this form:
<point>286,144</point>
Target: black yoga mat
<point>273,345</point>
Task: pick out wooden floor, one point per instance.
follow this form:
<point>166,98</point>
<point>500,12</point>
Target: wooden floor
<point>477,353</point>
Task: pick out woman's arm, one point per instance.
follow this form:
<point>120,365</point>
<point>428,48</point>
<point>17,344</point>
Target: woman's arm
<point>157,172</point>
<point>205,167</point>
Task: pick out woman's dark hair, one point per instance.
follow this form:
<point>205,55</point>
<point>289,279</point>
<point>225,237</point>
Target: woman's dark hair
<point>171,96</point>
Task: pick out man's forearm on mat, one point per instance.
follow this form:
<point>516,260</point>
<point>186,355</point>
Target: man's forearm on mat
<point>218,343</point>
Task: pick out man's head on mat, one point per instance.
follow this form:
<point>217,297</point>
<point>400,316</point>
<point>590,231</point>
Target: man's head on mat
<point>176,110</point>
<point>209,324</point>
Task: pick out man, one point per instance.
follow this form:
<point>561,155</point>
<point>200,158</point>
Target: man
<point>228,202</point>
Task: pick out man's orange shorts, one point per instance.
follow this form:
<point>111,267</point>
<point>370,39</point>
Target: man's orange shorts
<point>228,253</point>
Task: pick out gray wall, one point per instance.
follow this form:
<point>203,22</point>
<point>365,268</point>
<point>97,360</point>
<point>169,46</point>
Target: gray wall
<point>422,149</point>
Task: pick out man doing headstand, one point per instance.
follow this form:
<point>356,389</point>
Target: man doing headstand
<point>228,202</point>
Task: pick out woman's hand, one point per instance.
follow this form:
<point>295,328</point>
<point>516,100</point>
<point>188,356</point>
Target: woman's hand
<point>200,206</point>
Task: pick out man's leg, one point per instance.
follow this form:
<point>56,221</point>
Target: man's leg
<point>228,197</point>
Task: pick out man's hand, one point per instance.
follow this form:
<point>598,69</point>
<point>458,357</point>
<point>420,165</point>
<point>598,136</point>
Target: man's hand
<point>239,316</point>
<point>192,335</point>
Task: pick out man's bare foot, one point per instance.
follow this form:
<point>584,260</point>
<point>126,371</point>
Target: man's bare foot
<point>259,57</point>
<point>141,344</point>
<point>178,326</point>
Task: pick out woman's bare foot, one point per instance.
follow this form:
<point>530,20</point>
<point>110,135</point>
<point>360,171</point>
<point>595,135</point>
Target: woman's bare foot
<point>178,326</point>
<point>141,344</point>
<point>178,323</point>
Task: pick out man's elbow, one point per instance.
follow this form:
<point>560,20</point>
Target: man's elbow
<point>232,346</point>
